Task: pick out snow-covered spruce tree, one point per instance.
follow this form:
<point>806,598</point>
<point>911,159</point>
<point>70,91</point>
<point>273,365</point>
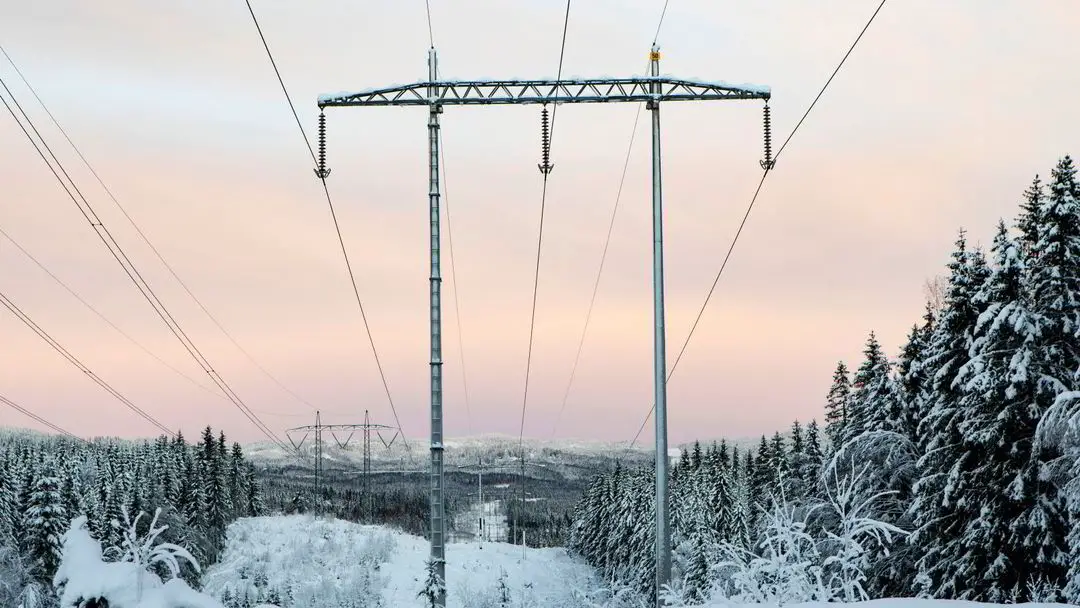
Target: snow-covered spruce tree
<point>875,438</point>
<point>238,490</point>
<point>1030,217</point>
<point>434,589</point>
<point>722,494</point>
<point>912,377</point>
<point>1000,386</point>
<point>836,405</point>
<point>764,475</point>
<point>697,582</point>
<point>814,460</point>
<point>111,532</point>
<point>254,499</point>
<point>1054,284</point>
<point>1060,428</point>
<point>797,484</point>
<point>17,584</point>
<point>938,529</point>
<point>739,532</point>
<point>872,394</point>
<point>45,522</point>
<point>215,487</point>
<point>778,462</point>
<point>7,506</point>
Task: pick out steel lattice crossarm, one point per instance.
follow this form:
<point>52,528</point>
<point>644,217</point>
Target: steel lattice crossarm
<point>593,90</point>
<point>343,427</point>
<point>334,428</point>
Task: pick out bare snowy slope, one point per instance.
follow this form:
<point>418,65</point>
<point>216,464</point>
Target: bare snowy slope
<point>308,562</point>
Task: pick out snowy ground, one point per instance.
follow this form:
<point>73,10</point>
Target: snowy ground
<point>905,603</point>
<point>327,563</point>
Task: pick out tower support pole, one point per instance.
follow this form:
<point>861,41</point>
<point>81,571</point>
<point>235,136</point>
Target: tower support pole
<point>438,508</point>
<point>663,533</point>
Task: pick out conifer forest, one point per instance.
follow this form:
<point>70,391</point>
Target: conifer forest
<point>948,470</point>
<point>46,482</point>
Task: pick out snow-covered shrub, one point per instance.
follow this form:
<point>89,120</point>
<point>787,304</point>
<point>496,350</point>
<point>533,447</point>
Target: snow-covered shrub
<point>85,576</point>
<point>615,594</point>
<point>786,571</point>
<point>145,552</point>
<point>298,559</point>
<point>849,547</point>
<point>789,565</point>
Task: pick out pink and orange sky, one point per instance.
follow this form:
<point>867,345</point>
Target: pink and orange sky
<point>939,120</point>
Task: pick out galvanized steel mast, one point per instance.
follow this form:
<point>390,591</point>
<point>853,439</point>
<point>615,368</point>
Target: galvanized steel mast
<point>438,505</point>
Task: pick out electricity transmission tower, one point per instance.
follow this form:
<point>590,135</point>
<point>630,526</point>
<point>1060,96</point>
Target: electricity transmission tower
<point>365,429</point>
<point>435,94</point>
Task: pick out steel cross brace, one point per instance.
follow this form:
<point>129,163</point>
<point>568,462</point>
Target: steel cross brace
<point>591,90</point>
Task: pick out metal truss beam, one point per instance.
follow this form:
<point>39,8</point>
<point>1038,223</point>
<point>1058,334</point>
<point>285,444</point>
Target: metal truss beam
<point>591,90</point>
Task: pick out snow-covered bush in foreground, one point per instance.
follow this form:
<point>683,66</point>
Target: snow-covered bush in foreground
<point>84,576</point>
<point>847,548</point>
<point>793,566</point>
<point>787,570</point>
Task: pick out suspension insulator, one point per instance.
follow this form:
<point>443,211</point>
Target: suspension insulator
<point>321,171</point>
<point>545,165</point>
<point>768,163</point>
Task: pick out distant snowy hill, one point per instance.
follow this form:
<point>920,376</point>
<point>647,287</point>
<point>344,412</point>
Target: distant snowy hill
<point>569,459</point>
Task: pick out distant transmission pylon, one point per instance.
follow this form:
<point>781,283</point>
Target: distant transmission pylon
<point>381,431</point>
<point>434,95</point>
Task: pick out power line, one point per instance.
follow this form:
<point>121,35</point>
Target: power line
<point>333,215</point>
<point>599,272</point>
<point>103,233</point>
<point>430,31</point>
<point>454,284</point>
<point>545,170</point>
<point>749,208</point>
<point>539,245</point>
<point>149,244</point>
<point>101,316</point>
<point>22,410</point>
<point>658,25</point>
<point>607,242</point>
<point>22,316</point>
